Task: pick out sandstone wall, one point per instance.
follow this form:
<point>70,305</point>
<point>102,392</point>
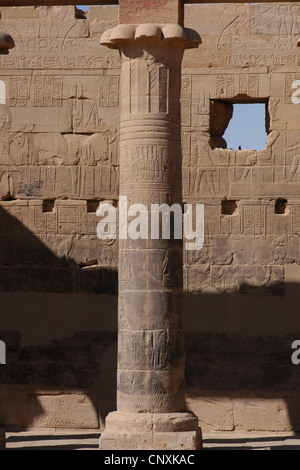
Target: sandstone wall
<point>59,158</point>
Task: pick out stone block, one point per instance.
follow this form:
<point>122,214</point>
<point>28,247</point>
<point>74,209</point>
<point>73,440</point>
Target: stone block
<point>106,13</point>
<point>176,422</point>
<point>129,422</point>
<point>147,431</point>
<point>48,409</point>
<point>261,414</point>
<point>177,441</point>
<point>19,13</point>
<point>151,11</point>
<point>214,413</point>
<point>58,119</point>
<point>126,441</point>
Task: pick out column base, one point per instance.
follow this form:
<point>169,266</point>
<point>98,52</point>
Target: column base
<point>2,438</point>
<point>151,431</point>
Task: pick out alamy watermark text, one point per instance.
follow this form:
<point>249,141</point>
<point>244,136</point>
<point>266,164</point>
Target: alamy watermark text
<point>161,222</point>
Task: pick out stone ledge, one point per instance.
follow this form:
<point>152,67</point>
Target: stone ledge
<point>28,407</point>
<point>245,411</point>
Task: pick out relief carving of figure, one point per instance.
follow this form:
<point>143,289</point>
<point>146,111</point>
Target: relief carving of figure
<point>205,167</point>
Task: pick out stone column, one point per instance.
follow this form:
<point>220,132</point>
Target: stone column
<point>151,377</point>
<point>6,43</point>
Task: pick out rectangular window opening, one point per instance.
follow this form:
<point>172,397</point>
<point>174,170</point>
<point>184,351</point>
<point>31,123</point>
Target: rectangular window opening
<point>241,124</point>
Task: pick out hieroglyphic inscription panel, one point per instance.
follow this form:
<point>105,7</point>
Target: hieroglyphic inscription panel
<point>59,138</point>
<point>249,54</point>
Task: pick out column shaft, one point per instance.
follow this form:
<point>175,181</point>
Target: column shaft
<point>150,364</point>
<point>151,390</point>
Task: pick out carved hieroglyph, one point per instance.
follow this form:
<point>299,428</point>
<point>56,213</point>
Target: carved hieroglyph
<point>151,347</point>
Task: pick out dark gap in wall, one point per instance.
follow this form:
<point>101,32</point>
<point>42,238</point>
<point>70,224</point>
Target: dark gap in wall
<point>48,205</point>
<point>8,197</point>
<point>93,262</point>
<point>92,205</point>
<point>80,14</point>
<point>229,207</point>
<point>280,206</point>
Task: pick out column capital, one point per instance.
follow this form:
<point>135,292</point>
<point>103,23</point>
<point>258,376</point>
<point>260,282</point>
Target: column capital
<point>125,34</point>
<point>151,67</point>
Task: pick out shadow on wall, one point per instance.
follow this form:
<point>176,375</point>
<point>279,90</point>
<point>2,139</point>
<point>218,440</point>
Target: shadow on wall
<point>59,323</point>
<point>53,321</point>
<point>239,368</point>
